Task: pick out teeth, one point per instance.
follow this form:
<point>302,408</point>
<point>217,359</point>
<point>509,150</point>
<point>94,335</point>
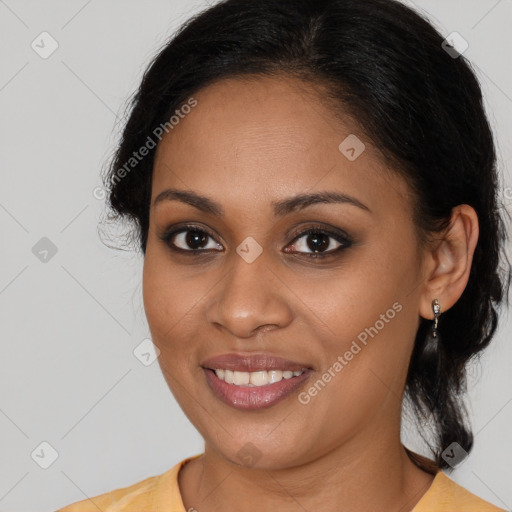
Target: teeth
<point>241,378</point>
<point>254,379</point>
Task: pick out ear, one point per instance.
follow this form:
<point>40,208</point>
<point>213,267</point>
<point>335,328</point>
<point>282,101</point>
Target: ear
<point>448,261</point>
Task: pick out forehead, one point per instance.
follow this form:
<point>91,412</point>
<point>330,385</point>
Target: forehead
<point>253,139</point>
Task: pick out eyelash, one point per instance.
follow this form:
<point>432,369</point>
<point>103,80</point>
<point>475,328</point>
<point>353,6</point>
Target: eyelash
<point>343,239</point>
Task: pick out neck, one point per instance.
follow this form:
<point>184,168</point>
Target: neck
<point>371,471</point>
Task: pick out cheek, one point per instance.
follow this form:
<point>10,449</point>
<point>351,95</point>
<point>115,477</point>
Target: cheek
<point>361,293</point>
<point>367,316</point>
<point>168,299</point>
<point>364,362</point>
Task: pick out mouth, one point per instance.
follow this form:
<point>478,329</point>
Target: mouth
<point>254,381</point>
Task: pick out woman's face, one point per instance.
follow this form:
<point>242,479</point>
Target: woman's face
<point>255,293</point>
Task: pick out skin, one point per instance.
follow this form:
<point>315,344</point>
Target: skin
<point>245,145</point>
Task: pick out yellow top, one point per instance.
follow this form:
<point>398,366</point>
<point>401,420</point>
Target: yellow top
<point>161,494</point>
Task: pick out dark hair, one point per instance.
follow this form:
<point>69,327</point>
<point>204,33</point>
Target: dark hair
<point>383,64</point>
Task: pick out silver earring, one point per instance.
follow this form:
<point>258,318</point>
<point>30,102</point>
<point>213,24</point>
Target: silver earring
<point>437,310</point>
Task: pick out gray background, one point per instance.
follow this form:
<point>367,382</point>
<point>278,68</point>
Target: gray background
<point>70,323</point>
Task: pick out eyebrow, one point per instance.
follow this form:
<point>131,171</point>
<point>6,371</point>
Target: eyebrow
<point>281,207</point>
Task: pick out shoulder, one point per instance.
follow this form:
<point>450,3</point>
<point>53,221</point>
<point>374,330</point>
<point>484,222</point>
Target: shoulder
<point>136,494</point>
<point>445,495</point>
<point>156,492</point>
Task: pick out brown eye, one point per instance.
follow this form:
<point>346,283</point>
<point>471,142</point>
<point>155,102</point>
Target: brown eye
<point>195,239</point>
<point>191,240</point>
<point>316,242</point>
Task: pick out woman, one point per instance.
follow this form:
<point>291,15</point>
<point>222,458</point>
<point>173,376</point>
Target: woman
<point>314,191</point>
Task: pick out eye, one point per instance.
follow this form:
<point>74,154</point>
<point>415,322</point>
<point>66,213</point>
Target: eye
<point>190,239</point>
<point>316,242</point>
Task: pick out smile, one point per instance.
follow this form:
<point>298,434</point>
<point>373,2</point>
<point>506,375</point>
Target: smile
<point>255,390</point>
<point>256,379</point>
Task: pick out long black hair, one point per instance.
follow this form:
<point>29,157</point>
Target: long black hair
<point>422,106</point>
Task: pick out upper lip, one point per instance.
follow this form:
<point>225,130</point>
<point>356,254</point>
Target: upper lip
<point>252,363</point>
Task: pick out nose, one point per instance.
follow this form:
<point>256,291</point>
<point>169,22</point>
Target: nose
<point>249,299</point>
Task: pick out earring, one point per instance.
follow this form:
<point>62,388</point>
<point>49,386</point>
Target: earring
<point>437,310</point>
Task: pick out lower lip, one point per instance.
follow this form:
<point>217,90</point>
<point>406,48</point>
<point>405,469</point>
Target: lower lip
<point>257,397</point>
